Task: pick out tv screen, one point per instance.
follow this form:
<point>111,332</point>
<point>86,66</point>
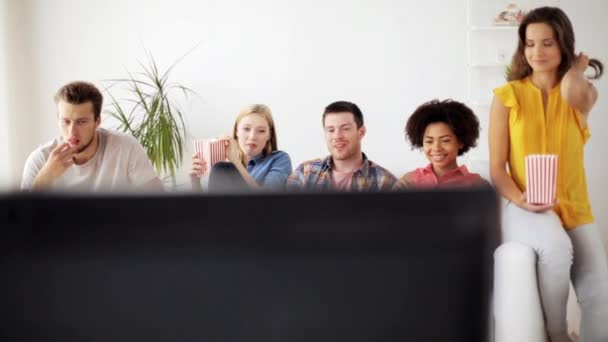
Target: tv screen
<point>403,266</point>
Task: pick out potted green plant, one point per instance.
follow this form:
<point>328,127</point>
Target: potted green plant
<point>507,71</point>
<point>149,113</point>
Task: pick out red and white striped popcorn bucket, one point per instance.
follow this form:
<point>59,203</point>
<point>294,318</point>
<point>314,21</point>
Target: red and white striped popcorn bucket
<point>211,151</point>
<point>541,178</point>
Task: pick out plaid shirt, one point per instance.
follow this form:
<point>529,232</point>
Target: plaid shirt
<point>316,175</point>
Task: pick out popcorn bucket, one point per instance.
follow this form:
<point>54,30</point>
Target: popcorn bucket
<point>211,151</point>
<point>541,178</point>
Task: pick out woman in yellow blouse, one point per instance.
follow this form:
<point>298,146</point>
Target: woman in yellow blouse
<point>543,109</point>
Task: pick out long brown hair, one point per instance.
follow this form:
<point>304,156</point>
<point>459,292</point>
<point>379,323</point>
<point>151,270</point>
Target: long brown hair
<point>264,111</point>
<point>564,35</point>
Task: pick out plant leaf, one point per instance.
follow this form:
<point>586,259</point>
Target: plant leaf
<point>150,114</point>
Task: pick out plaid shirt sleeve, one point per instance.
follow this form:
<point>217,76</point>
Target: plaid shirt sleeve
<point>296,179</point>
<point>406,182</point>
<point>401,185</point>
<point>387,181</point>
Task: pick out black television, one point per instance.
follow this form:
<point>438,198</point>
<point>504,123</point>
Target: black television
<point>401,266</point>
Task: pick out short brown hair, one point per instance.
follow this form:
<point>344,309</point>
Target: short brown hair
<point>79,92</point>
<point>344,107</point>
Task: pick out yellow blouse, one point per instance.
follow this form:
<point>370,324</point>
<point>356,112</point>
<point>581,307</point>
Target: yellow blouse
<point>556,131</point>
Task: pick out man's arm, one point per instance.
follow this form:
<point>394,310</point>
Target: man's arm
<point>296,180</point>
<point>39,174</point>
<point>154,185</point>
<point>406,182</point>
<point>32,167</point>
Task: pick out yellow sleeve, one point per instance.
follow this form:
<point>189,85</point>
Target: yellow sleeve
<point>506,94</point>
<point>585,131</point>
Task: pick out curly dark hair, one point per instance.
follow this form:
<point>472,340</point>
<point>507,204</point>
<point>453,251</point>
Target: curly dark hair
<point>460,118</point>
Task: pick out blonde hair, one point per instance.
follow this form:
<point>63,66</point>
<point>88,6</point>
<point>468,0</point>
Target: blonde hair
<point>264,111</point>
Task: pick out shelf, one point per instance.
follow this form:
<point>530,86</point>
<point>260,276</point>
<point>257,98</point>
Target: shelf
<point>488,65</point>
<point>489,51</point>
<point>494,28</point>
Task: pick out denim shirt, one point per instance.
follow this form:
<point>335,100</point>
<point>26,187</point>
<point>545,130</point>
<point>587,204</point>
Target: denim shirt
<point>270,172</point>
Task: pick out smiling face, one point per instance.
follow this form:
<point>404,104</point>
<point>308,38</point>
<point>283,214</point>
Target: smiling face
<point>252,133</point>
<point>342,136</point>
<point>77,123</point>
<point>441,146</point>
<point>542,50</point>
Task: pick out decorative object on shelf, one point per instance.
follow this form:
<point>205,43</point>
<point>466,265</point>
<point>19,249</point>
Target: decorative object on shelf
<point>150,113</point>
<point>512,15</point>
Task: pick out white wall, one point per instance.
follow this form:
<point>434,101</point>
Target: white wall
<point>7,162</point>
<point>5,159</point>
<point>388,56</point>
<point>19,122</point>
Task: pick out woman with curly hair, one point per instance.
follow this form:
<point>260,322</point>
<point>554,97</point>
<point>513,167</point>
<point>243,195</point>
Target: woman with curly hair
<point>443,130</point>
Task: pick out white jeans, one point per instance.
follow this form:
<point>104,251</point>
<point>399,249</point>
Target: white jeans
<point>562,254</point>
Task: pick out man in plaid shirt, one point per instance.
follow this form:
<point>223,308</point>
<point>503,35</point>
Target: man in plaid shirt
<point>347,167</point>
